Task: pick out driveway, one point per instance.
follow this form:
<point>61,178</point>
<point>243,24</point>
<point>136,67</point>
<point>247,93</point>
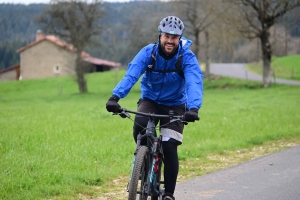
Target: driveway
<point>238,70</point>
<point>272,177</point>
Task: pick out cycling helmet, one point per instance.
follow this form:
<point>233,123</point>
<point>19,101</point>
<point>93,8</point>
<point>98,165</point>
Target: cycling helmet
<point>172,25</point>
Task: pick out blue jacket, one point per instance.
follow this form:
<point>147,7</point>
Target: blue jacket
<point>165,88</point>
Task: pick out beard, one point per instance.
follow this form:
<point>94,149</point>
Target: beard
<point>168,48</point>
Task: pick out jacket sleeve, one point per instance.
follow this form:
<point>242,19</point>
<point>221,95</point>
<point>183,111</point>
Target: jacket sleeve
<point>193,77</point>
<point>134,70</point>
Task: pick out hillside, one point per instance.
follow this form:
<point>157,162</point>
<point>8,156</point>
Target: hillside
<point>126,28</point>
<point>18,26</point>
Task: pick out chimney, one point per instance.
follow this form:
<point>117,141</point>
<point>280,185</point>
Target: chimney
<point>39,35</point>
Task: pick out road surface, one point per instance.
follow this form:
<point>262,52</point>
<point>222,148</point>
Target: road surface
<point>238,70</point>
<point>272,177</point>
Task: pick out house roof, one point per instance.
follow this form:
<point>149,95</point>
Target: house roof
<point>55,40</point>
<point>9,68</point>
<point>98,61</point>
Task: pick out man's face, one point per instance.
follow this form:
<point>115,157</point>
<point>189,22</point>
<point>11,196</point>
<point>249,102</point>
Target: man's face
<point>169,43</point>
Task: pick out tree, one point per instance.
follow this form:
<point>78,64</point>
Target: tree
<point>198,16</point>
<point>143,25</point>
<point>254,18</point>
<point>8,54</point>
<point>75,21</point>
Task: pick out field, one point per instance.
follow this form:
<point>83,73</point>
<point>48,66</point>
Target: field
<point>58,144</point>
<point>287,67</point>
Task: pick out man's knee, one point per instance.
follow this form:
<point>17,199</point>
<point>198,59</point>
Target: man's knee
<point>170,148</point>
<point>140,123</point>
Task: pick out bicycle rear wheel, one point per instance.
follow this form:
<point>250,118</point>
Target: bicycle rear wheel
<point>139,175</point>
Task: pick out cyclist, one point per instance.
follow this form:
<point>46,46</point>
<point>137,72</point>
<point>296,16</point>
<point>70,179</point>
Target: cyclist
<point>164,89</point>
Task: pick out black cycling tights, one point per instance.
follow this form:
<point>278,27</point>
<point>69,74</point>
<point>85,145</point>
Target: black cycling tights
<point>171,165</point>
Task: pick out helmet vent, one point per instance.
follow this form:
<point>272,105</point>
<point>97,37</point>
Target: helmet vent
<point>172,25</point>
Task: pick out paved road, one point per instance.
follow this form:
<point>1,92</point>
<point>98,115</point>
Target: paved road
<point>272,177</point>
<point>237,70</point>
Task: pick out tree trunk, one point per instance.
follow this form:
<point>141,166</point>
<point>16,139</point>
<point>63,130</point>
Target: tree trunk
<point>80,71</point>
<point>266,56</point>
<point>207,70</point>
<point>197,44</point>
<point>286,42</point>
<point>258,50</point>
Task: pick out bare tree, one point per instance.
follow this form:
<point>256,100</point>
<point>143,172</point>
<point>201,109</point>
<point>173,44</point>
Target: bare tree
<point>223,41</point>
<point>143,25</point>
<point>75,21</point>
<point>198,16</point>
<point>254,18</point>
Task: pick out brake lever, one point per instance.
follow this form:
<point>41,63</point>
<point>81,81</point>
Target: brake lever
<point>124,114</point>
<point>175,120</point>
<point>185,122</point>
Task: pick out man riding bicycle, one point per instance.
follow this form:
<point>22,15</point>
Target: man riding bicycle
<point>172,80</point>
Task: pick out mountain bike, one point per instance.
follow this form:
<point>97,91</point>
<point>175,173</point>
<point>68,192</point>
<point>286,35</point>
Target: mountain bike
<point>145,179</point>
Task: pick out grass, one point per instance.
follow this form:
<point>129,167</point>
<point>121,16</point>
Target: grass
<point>58,144</point>
<point>282,67</point>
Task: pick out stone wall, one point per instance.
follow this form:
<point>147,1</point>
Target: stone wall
<point>46,59</point>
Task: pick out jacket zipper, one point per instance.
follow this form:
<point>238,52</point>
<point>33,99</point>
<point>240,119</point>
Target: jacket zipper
<point>162,85</point>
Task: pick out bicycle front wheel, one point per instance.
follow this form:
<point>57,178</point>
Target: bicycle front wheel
<point>139,175</point>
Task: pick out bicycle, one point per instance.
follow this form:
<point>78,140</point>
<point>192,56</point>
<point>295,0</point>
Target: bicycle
<point>145,179</point>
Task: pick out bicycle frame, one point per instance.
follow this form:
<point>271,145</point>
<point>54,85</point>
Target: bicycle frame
<point>153,143</point>
<point>155,157</point>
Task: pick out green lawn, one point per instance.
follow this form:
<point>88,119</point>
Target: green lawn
<point>282,67</point>
<point>56,143</point>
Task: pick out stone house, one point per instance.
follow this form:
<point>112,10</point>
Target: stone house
<point>10,73</point>
<point>49,56</point>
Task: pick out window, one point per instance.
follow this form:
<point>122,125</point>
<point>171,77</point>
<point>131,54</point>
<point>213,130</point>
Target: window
<point>56,69</point>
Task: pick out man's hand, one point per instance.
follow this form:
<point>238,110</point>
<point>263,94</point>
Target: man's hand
<point>112,104</point>
<point>191,115</point>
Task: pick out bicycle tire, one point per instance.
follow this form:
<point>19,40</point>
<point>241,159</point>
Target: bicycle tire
<point>139,175</point>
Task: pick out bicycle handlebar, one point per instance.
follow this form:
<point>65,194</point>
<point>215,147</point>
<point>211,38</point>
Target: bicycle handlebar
<point>124,112</point>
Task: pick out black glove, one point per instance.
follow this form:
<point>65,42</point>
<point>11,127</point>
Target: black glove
<point>112,104</point>
<point>191,115</point>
